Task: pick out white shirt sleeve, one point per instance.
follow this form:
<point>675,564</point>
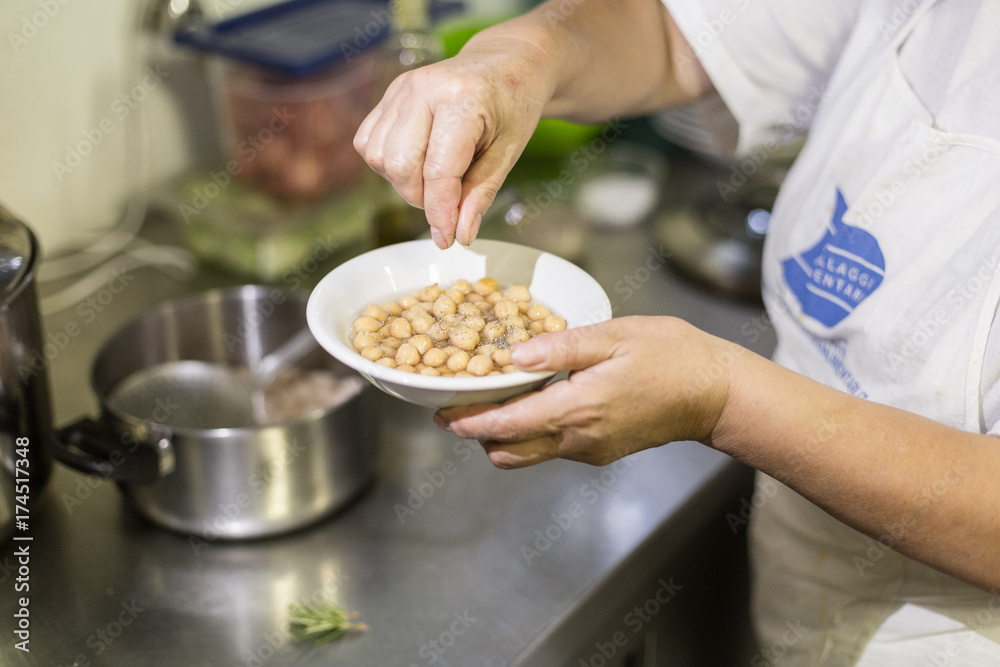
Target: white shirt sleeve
<point>990,384</point>
<point>768,59</point>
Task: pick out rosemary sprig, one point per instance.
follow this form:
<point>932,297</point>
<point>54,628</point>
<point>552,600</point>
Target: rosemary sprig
<point>321,622</point>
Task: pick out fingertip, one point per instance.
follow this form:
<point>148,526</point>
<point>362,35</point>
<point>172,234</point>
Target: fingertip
<point>438,238</point>
<point>531,354</point>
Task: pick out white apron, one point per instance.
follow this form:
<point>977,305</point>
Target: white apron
<point>881,276</point>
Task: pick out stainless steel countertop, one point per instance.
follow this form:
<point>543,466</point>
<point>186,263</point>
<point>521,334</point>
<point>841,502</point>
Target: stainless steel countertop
<point>468,578</point>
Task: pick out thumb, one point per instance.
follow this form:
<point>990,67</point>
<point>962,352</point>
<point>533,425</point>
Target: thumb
<point>567,350</point>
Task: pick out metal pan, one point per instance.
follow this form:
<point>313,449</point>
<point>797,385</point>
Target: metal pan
<point>189,459</point>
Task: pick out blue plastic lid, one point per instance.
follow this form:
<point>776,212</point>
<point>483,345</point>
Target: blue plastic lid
<point>297,37</point>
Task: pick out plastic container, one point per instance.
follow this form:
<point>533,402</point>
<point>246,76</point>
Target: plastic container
<point>293,137</point>
<point>292,83</point>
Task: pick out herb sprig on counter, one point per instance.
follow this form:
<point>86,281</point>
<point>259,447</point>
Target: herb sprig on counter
<point>321,622</point>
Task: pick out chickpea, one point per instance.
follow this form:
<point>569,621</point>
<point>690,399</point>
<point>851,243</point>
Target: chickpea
<point>434,357</point>
<point>480,365</point>
<point>365,339</point>
<point>392,342</point>
<point>505,308</point>
<point>422,343</point>
<point>517,293</point>
<point>516,335</point>
<point>537,312</point>
<point>438,332</point>
<point>375,312</point>
<point>407,355</point>
<point>416,311</point>
<point>463,337</point>
<point>554,323</point>
<point>467,309</point>
<point>493,330</point>
<point>444,306</point>
<point>513,321</point>
<point>485,286</point>
<point>476,323</point>
<point>429,293</point>
<point>501,357</point>
<point>422,324</point>
<point>400,328</point>
<point>366,323</point>
<point>457,361</point>
<point>466,330</point>
<point>487,348</point>
<point>455,295</point>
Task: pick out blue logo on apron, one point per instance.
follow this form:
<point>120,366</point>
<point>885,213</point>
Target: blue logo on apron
<point>831,278</point>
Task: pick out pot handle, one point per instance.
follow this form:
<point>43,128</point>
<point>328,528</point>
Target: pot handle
<point>93,447</point>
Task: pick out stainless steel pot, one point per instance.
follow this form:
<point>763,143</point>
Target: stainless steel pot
<point>168,437</point>
<point>25,411</point>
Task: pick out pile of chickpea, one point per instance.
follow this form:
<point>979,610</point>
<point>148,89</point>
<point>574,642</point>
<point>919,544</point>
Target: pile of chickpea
<point>466,330</point>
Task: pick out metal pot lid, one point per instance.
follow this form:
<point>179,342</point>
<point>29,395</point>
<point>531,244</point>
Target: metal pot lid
<point>17,252</point>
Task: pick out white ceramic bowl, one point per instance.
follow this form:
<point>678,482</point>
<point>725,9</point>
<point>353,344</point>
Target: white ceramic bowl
<point>393,271</point>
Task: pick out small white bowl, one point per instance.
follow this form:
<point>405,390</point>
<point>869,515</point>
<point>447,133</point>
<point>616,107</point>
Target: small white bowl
<point>396,270</point>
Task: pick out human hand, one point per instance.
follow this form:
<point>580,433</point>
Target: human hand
<point>636,382</point>
<point>446,135</point>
